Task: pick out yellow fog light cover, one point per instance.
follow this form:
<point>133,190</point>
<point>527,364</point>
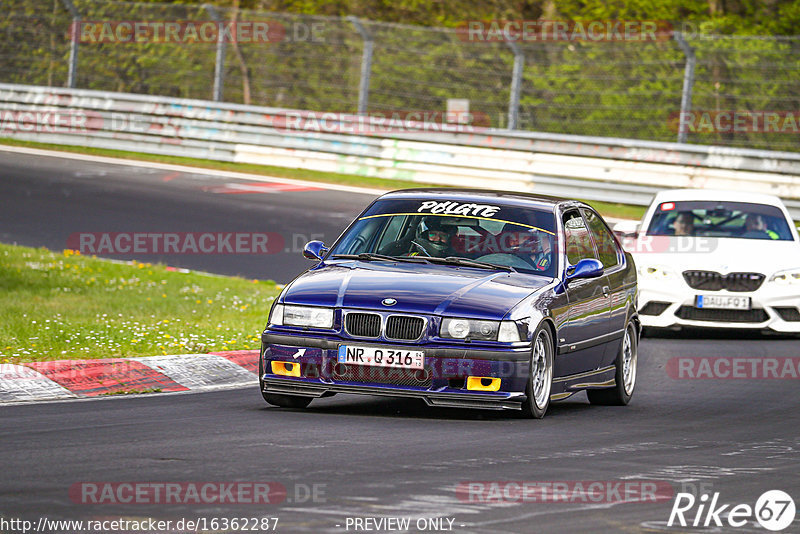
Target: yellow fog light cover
<point>483,383</point>
<point>286,368</point>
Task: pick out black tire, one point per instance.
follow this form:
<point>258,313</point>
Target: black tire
<point>540,375</point>
<point>287,401</point>
<point>625,375</point>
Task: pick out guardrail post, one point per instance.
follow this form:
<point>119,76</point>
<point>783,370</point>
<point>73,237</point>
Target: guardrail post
<point>219,61</point>
<point>688,84</point>
<point>366,65</point>
<point>516,85</point>
<point>73,45</point>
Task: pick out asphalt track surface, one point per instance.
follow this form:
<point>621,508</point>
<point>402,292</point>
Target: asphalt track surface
<point>46,200</point>
<point>369,457</point>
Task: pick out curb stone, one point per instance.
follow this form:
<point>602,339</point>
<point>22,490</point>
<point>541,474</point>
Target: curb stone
<point>69,379</point>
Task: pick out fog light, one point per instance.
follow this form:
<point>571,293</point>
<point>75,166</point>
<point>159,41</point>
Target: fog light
<point>456,383</point>
<point>483,383</point>
<point>286,368</point>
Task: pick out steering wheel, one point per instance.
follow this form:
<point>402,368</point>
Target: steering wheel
<point>508,260</point>
<point>420,247</point>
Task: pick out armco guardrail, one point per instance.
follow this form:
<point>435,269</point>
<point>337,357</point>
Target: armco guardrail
<point>594,168</point>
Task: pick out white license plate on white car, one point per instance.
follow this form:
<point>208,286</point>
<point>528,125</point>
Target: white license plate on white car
<point>722,302</point>
<point>381,357</point>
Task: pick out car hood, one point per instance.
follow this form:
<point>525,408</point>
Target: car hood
<point>722,255</point>
<point>417,288</point>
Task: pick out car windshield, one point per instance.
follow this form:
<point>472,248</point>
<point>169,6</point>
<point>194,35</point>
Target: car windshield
<point>741,220</point>
<point>512,237</point>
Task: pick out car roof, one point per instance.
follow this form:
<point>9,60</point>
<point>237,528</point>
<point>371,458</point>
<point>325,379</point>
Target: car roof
<point>716,194</point>
<point>482,195</point>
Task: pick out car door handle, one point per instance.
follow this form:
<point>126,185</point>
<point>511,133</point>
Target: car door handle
<point>606,291</point>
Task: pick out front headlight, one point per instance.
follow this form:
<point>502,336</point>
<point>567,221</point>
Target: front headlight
<point>284,315</point>
<point>787,277</point>
<point>454,328</point>
<point>276,315</point>
<point>508,332</point>
<point>655,272</point>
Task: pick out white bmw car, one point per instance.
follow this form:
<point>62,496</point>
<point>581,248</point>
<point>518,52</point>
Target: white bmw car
<point>717,259</point>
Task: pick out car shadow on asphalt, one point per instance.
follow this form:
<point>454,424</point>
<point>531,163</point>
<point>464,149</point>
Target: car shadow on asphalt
<point>714,333</point>
<point>417,409</point>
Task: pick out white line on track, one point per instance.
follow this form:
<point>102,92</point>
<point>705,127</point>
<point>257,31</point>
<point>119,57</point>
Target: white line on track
<point>209,172</point>
<point>192,170</point>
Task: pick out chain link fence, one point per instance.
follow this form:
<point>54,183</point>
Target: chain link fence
<point>629,89</point>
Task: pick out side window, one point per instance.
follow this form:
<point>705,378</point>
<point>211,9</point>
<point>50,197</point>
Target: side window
<point>392,231</point>
<point>359,236</point>
<point>606,246</point>
<point>577,238</point>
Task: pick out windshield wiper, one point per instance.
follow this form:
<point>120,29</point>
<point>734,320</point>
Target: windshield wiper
<point>450,260</point>
<point>466,262</point>
<point>371,256</point>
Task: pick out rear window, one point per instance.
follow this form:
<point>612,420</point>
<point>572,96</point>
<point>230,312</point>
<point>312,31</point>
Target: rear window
<point>740,220</point>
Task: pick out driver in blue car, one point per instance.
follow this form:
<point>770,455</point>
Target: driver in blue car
<point>533,246</point>
<point>432,238</point>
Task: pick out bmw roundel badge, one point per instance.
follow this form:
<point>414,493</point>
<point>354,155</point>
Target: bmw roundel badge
<point>389,302</point>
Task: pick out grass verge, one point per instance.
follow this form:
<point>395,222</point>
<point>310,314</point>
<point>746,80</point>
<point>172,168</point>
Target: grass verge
<point>607,209</point>
<point>67,306</point>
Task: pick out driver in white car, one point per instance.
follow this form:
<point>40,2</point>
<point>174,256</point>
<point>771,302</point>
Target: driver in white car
<point>684,223</point>
<point>756,227</point>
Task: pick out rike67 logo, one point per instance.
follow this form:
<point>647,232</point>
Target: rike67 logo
<point>774,510</point>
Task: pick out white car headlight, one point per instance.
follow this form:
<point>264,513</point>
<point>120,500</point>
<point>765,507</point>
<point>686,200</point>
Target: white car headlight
<point>284,315</point>
<point>656,272</point>
<point>787,277</point>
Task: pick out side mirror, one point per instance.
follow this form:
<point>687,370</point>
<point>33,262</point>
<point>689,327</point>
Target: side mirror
<point>586,268</point>
<point>315,250</point>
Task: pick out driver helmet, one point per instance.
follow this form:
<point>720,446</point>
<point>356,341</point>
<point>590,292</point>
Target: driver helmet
<point>435,236</point>
<point>517,239</point>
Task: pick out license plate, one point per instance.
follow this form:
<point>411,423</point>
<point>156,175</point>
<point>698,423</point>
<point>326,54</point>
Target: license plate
<point>381,357</point>
<point>723,302</point>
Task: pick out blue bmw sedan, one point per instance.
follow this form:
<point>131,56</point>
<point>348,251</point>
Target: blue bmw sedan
<point>461,298</point>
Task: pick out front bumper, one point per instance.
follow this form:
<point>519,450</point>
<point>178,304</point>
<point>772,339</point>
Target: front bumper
<point>446,397</point>
<point>443,382</point>
<point>671,304</point>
